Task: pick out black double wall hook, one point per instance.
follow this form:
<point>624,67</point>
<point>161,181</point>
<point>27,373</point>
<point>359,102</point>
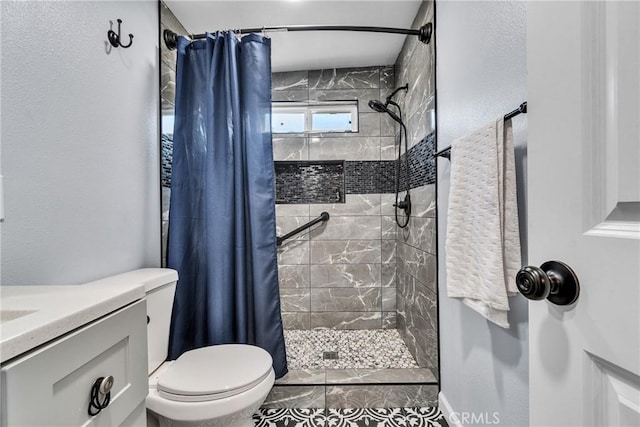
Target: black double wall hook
<point>114,38</point>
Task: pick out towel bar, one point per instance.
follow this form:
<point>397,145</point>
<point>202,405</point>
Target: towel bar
<point>522,109</point>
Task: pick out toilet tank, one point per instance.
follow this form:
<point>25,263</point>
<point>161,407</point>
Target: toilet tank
<point>160,285</point>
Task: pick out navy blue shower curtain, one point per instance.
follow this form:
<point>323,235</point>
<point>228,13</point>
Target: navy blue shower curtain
<point>222,231</point>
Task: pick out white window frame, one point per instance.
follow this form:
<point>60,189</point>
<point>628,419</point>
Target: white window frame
<point>311,108</point>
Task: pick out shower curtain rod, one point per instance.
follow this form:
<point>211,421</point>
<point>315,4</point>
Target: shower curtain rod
<point>424,33</point>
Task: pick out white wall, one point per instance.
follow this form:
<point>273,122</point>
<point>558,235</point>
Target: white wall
<point>481,74</point>
<point>79,141</point>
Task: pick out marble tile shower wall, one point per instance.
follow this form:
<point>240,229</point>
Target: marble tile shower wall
<point>416,258</point>
<point>167,95</point>
<point>342,273</point>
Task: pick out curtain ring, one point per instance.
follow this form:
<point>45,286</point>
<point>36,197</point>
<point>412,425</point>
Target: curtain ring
<point>264,33</point>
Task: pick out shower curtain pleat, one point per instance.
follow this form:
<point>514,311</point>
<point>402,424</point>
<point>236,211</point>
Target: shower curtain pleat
<point>222,231</point>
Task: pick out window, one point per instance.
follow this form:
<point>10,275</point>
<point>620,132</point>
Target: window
<point>288,120</point>
<point>302,117</point>
<point>168,121</point>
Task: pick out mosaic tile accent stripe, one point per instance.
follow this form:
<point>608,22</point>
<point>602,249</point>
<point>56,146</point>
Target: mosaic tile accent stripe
<point>422,164</point>
<point>309,182</point>
<point>167,160</point>
<point>350,417</point>
<point>370,177</point>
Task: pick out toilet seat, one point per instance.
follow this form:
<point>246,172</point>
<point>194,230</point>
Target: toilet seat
<point>215,372</point>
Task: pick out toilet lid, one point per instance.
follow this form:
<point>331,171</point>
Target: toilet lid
<point>214,372</point>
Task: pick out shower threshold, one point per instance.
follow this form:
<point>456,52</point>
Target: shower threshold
<point>362,376</point>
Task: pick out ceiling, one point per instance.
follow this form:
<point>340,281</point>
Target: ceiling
<point>308,50</point>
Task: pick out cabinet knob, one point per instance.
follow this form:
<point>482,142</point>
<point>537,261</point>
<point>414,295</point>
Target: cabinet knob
<point>100,394</point>
<point>106,384</point>
<point>553,280</point>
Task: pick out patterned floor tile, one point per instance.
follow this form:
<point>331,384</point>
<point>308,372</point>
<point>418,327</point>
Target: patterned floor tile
<point>350,417</point>
<point>290,417</point>
<point>356,349</point>
<point>356,417</point>
<point>423,417</point>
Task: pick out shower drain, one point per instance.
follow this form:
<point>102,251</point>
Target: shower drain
<point>330,355</point>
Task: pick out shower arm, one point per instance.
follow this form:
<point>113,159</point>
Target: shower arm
<point>390,97</point>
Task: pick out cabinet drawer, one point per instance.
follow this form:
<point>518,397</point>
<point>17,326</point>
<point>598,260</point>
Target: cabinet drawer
<point>51,386</point>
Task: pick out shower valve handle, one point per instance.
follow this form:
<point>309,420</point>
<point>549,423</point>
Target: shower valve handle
<point>404,204</point>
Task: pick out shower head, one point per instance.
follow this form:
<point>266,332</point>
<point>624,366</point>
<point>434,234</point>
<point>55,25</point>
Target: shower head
<point>382,107</point>
<point>378,106</point>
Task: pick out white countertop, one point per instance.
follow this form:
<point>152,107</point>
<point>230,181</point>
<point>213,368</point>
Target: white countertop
<point>34,315</point>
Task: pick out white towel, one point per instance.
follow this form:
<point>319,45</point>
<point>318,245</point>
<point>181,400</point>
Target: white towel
<point>483,240</point>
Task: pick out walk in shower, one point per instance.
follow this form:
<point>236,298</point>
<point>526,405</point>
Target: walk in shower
<point>358,292</point>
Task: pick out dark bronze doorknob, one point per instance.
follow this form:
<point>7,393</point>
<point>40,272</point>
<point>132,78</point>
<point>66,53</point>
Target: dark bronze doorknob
<point>553,280</point>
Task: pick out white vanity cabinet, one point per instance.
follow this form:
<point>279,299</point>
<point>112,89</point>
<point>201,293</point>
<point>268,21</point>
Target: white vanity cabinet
<point>50,386</point>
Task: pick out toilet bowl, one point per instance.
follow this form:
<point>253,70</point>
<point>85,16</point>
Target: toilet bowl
<point>214,386</point>
<point>220,385</point>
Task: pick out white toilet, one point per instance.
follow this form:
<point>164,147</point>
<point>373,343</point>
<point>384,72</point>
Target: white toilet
<point>221,385</point>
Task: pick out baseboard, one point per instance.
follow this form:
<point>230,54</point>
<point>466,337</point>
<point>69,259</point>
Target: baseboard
<point>447,410</point>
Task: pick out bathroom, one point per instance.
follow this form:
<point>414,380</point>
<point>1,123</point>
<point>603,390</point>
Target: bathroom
<point>86,175</point>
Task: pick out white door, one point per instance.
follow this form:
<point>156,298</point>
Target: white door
<point>583,62</point>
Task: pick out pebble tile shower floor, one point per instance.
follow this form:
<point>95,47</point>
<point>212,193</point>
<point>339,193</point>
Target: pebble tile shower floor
<point>356,349</point>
